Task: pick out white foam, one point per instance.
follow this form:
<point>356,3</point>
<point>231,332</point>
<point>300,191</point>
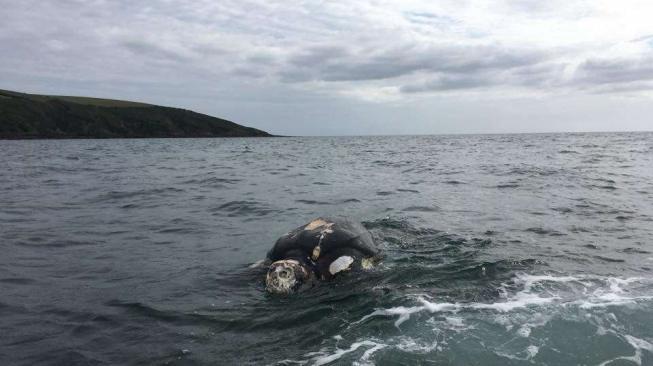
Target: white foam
<point>402,311</point>
<point>505,321</point>
<point>532,351</point>
<point>524,331</point>
<point>595,292</point>
<point>523,322</point>
<point>529,280</point>
<point>257,264</point>
<point>536,294</point>
<point>291,362</point>
<point>613,295</point>
<point>638,344</point>
<point>435,307</point>
<point>600,330</point>
<point>455,321</point>
<point>325,359</point>
<point>521,300</point>
<point>408,344</point>
<point>365,359</point>
<point>605,301</point>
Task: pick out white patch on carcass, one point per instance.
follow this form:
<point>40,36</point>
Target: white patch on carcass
<point>316,252</point>
<point>318,223</point>
<point>326,229</point>
<point>340,264</point>
<point>367,263</point>
<point>282,277</point>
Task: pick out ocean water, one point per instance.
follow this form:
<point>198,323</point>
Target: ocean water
<point>498,250</point>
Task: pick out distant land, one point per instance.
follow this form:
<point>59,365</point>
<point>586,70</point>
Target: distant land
<point>32,116</point>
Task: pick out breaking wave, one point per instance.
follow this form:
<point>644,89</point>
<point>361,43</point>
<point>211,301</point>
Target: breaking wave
<point>530,306</point>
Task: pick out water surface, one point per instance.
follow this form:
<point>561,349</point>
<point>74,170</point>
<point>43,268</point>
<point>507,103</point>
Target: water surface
<point>499,250</point>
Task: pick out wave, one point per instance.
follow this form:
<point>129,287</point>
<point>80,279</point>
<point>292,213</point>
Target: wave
<point>141,193</point>
<point>242,208</point>
<point>537,291</point>
<point>323,359</point>
<point>528,309</point>
<point>421,209</point>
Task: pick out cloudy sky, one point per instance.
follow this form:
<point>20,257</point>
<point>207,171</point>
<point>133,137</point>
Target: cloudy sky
<point>347,67</point>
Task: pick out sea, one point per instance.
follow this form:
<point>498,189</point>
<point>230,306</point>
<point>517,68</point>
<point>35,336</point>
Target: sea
<point>516,249</point>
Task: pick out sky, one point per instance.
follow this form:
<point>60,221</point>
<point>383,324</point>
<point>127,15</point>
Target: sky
<point>364,67</point>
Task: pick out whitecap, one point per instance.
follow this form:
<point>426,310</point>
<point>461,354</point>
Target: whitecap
<point>532,351</point>
<point>365,359</point>
<point>594,292</point>
<point>524,331</point>
<point>408,344</point>
<point>402,311</point>
<point>455,321</point>
<point>325,359</point>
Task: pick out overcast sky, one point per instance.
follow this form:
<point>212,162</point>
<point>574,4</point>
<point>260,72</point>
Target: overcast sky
<point>347,67</point>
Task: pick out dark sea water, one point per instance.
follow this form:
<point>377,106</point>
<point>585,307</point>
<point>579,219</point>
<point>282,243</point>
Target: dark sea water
<point>499,250</point>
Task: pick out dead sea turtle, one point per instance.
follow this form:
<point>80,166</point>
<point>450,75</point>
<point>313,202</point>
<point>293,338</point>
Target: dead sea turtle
<point>318,250</point>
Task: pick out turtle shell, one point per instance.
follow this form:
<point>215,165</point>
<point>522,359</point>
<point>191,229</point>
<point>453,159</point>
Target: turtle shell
<point>327,235</point>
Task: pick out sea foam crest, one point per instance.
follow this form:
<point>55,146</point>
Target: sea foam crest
<point>323,358</point>
<point>534,291</point>
<point>537,290</point>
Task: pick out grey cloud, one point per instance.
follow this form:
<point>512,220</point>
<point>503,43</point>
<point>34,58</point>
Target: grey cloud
<point>250,55</point>
<point>604,71</point>
<point>446,83</point>
<point>431,19</point>
<point>340,64</point>
<point>633,87</point>
<point>539,75</point>
<point>245,40</point>
<point>491,57</point>
<point>646,38</point>
<point>153,50</point>
<point>249,72</point>
<point>318,55</point>
<point>548,74</point>
<point>208,50</point>
<point>262,59</point>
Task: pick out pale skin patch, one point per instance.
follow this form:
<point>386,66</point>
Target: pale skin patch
<point>316,253</point>
<point>367,263</point>
<point>281,277</point>
<point>317,223</point>
<point>326,229</point>
<point>341,264</point>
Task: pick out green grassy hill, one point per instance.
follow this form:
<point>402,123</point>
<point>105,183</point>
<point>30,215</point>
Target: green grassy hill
<point>25,116</point>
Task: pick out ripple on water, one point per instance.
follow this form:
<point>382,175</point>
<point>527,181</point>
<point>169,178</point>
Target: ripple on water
<point>421,209</point>
<point>242,208</point>
<point>142,193</point>
<point>507,185</point>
